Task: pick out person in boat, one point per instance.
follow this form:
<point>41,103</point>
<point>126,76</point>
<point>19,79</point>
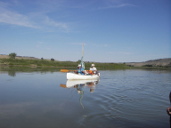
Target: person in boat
<point>80,70</point>
<point>93,69</point>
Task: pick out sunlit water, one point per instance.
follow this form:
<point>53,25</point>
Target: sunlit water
<point>120,99</point>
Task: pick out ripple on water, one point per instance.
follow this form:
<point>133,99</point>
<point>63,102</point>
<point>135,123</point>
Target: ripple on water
<point>131,100</point>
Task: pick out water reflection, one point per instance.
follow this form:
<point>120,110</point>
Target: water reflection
<point>12,73</point>
<point>79,85</point>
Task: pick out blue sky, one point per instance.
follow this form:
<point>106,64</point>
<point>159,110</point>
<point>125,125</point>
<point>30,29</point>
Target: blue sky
<point>112,30</point>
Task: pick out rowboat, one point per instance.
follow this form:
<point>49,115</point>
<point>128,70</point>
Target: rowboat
<point>79,76</point>
<point>74,76</point>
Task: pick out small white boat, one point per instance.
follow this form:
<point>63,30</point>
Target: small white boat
<point>74,76</point>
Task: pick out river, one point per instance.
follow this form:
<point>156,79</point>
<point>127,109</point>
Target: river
<point>120,99</point>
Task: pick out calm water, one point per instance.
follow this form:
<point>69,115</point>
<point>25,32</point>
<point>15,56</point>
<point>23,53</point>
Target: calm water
<point>121,99</point>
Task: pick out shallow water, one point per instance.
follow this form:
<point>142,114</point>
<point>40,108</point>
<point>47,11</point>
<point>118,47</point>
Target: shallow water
<point>120,99</point>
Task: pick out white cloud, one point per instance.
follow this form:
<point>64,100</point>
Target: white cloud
<point>12,17</point>
<point>31,20</point>
<point>8,16</point>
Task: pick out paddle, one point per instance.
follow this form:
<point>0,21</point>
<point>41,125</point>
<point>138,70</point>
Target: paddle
<point>63,85</point>
<point>66,70</point>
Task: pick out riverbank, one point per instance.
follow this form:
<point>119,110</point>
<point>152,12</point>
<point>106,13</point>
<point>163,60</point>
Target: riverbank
<point>6,63</point>
<point>24,63</point>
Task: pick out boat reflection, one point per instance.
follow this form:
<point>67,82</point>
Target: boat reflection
<point>79,85</point>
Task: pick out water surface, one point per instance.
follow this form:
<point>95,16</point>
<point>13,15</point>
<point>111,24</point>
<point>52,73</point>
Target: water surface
<point>120,99</point>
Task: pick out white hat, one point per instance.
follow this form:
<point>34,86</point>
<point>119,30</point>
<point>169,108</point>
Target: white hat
<point>92,65</point>
<point>79,65</point>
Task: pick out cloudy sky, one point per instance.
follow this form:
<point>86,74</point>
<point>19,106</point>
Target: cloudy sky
<point>112,30</point>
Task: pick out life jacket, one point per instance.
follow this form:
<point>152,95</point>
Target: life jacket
<point>80,71</point>
<point>90,72</point>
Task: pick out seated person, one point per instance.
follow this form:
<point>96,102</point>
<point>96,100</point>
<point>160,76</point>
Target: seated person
<point>81,70</point>
<point>93,69</point>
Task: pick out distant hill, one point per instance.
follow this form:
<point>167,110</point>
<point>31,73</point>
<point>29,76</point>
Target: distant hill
<point>152,63</point>
<point>17,57</point>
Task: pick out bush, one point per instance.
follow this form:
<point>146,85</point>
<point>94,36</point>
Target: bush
<point>12,55</point>
<point>52,59</point>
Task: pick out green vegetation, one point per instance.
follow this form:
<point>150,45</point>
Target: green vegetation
<point>108,66</point>
<point>12,55</point>
<point>41,64</point>
<point>16,64</point>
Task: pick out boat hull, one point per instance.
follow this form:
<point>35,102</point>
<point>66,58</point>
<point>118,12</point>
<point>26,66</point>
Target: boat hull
<point>73,76</point>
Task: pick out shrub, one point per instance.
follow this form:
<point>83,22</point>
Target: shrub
<point>12,55</point>
<point>52,59</point>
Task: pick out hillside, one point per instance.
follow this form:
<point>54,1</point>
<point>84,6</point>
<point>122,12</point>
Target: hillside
<point>152,63</point>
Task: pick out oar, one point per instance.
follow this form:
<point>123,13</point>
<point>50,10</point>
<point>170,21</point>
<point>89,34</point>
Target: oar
<point>63,85</point>
<point>66,70</point>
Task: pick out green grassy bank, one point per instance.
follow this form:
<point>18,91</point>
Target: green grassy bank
<point>54,65</point>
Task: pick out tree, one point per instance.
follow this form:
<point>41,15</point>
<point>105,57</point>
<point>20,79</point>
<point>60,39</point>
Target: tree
<point>79,61</point>
<point>52,59</point>
<point>12,55</point>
